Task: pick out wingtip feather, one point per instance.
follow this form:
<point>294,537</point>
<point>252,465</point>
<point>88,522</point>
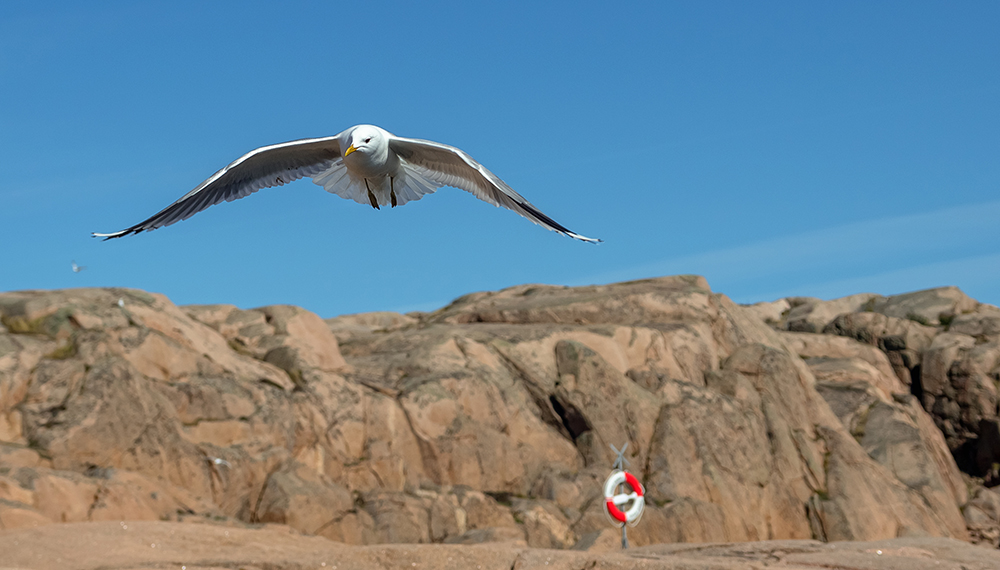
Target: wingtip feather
<point>584,238</point>
<point>113,235</point>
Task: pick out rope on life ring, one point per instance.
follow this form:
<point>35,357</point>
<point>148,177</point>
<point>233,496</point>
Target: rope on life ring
<point>613,500</point>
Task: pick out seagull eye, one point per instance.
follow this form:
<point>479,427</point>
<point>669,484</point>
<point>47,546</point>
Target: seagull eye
<point>368,140</point>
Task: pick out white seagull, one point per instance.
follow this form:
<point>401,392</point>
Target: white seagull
<point>365,163</point>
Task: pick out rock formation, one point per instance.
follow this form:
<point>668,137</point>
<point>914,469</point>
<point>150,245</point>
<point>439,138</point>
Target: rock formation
<point>491,419</point>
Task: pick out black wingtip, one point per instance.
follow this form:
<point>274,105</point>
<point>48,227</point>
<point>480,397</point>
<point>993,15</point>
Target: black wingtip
<point>116,235</point>
<point>583,238</point>
<point>554,225</point>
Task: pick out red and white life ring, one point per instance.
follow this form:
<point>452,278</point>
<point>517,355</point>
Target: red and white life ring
<point>612,499</point>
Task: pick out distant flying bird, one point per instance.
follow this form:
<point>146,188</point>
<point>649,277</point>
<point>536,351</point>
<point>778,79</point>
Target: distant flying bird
<point>77,268</point>
<point>364,163</point>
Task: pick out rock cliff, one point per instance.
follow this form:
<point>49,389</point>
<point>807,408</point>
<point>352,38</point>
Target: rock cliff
<point>491,419</point>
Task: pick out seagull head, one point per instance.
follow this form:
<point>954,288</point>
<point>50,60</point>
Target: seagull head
<point>369,140</point>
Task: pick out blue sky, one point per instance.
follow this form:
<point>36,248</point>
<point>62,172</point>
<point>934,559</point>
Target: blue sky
<point>778,148</point>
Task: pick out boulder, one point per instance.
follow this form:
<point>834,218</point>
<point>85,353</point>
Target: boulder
<point>544,524</point>
<point>983,324</point>
<point>902,340</point>
<point>928,307</point>
<point>809,346</point>
<point>959,387</point>
<point>771,312</point>
<point>302,499</point>
<point>34,496</point>
<point>812,315</point>
<point>982,516</point>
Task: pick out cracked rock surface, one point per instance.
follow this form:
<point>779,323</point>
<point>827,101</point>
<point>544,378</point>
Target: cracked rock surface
<point>491,419</point>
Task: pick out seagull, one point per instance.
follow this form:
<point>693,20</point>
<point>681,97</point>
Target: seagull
<point>365,163</point>
<point>77,268</point>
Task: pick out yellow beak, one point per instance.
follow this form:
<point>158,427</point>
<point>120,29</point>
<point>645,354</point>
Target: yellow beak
<point>350,149</point>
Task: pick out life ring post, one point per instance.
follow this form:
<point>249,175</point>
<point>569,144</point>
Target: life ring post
<point>616,496</point>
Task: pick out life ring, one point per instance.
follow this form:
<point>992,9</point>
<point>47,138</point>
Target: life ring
<point>613,500</point>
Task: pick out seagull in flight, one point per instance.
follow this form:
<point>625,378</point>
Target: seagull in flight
<point>365,163</point>
<point>77,268</point>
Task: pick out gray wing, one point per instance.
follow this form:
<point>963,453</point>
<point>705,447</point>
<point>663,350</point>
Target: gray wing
<point>451,166</point>
<point>264,167</point>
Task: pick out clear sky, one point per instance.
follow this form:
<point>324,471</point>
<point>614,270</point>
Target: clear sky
<point>778,148</point>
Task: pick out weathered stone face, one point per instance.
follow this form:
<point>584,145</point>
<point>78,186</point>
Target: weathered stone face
<point>490,419</point>
<point>944,346</point>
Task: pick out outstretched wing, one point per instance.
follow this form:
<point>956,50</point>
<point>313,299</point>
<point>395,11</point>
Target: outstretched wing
<point>451,166</point>
<point>264,167</point>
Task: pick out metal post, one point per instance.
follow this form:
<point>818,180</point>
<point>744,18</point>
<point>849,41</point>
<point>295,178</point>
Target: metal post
<point>619,464</point>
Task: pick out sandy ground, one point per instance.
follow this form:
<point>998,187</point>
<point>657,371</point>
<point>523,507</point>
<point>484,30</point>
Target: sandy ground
<point>186,546</point>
